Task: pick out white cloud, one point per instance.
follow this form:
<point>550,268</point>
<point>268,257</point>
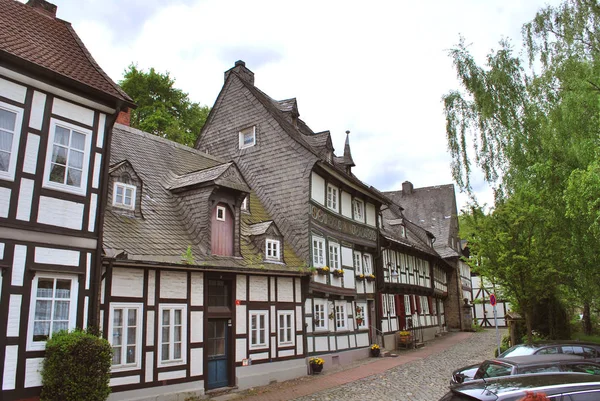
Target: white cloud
<point>379,70</point>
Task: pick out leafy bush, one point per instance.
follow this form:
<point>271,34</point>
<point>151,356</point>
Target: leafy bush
<point>76,367</point>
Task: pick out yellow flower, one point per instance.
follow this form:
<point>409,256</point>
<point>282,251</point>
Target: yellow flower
<point>404,333</point>
<point>374,346</point>
<point>316,361</point>
<point>325,268</point>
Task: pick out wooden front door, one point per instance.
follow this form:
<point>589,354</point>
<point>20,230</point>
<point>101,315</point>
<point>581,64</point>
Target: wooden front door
<point>222,230</point>
<point>217,353</point>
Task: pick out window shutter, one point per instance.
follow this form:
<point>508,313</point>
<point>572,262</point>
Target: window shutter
<point>380,306</point>
<point>400,310</point>
<point>418,301</point>
<point>430,301</point>
<point>412,304</point>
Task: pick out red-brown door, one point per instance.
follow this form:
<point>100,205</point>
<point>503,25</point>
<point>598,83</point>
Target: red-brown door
<point>222,230</point>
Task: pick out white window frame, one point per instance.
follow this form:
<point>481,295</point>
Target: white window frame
<point>223,212</point>
<point>334,254</point>
<point>245,202</point>
<point>403,231</point>
<point>392,305</point>
<point>138,336</point>
<point>367,264</point>
<point>318,251</point>
<point>81,190</point>
<point>333,197</point>
<point>41,345</point>
<point>172,308</point>
<point>364,315</point>
<point>14,149</point>
<point>357,258</point>
<point>243,133</point>
<point>425,306</point>
<point>272,249</point>
<point>125,187</point>
<point>284,329</point>
<point>341,317</point>
<point>320,304</point>
<point>359,212</point>
<point>259,328</point>
<point>407,309</point>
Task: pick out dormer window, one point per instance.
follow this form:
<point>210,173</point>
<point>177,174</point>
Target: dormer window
<point>403,231</point>
<point>359,210</point>
<point>124,195</point>
<point>272,249</point>
<point>248,137</point>
<point>332,197</point>
<point>244,206</point>
<point>220,213</point>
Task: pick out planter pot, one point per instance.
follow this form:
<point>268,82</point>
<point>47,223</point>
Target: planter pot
<point>375,352</point>
<point>337,273</point>
<point>370,279</point>
<point>405,339</point>
<point>359,278</point>
<point>314,368</point>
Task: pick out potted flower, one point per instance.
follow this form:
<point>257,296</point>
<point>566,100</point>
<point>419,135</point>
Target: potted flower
<point>360,277</point>
<point>316,365</point>
<point>323,270</point>
<point>359,321</point>
<point>375,350</point>
<point>371,277</point>
<point>404,336</point>
<point>338,272</point>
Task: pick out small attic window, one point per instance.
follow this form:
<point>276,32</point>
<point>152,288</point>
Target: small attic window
<point>124,195</point>
<point>403,231</point>
<point>244,206</point>
<point>272,249</point>
<point>220,213</point>
<point>248,137</point>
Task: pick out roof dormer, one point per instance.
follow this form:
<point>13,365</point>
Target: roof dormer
<point>125,190</point>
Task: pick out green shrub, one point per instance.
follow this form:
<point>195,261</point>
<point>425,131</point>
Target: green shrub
<point>76,367</point>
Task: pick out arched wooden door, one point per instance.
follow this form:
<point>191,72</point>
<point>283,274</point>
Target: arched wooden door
<point>222,230</point>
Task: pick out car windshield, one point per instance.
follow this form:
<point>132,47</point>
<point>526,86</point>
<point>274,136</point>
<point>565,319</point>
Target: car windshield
<point>518,350</point>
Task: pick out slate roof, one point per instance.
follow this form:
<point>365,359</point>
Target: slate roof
<point>53,45</point>
<point>416,237</point>
<point>168,225</point>
<point>432,208</point>
<point>259,228</point>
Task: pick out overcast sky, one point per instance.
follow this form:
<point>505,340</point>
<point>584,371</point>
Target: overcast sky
<point>378,68</point>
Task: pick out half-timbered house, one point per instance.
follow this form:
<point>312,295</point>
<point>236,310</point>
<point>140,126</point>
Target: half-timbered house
<point>434,209</point>
<point>329,216</point>
<point>414,281</point>
<point>200,289</point>
<point>57,108</point>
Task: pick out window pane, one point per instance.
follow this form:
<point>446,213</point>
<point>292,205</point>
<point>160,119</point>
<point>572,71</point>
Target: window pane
<point>42,310</point>
<point>59,326</point>
<point>118,317</point>
<point>78,140</point>
<point>41,331</point>
<point>61,310</point>
<point>177,316</point>
<point>131,354</point>
<point>131,334</point>
<point>177,351</point>
<point>165,334</point>
<point>219,346</point>
<point>76,159</point>
<point>74,177</point>
<point>59,155</point>
<point>61,136</point>
<point>57,173</point>
<point>7,120</point>
<point>166,318</point>
<point>4,160</point>
<point>63,289</point>
<point>165,352</point>
<point>132,317</point>
<point>6,139</point>
<point>116,360</point>
<point>253,322</point>
<point>117,336</point>
<point>44,289</point>
<point>177,333</point>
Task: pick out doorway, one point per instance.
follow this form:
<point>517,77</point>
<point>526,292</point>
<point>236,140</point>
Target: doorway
<point>217,353</point>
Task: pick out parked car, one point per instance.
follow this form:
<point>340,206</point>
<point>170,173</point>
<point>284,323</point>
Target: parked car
<point>557,386</point>
<point>586,350</point>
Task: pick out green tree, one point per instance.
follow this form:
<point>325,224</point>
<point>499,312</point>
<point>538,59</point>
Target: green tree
<point>530,122</point>
<point>162,109</point>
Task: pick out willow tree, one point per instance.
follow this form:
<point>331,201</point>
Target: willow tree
<point>529,121</point>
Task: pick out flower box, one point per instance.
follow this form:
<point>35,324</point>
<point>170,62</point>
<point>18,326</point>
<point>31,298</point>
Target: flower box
<point>360,277</point>
<point>370,278</point>
<point>322,270</point>
<point>338,272</point>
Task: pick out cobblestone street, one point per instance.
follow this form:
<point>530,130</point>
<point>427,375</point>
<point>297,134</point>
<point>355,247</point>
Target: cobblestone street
<point>420,380</point>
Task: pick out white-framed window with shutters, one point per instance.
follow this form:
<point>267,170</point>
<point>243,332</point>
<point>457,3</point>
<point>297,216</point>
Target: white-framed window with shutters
<point>318,251</point>
<point>67,157</point>
<point>341,317</point>
<point>10,135</point>
<point>124,195</point>
<point>125,335</point>
<point>172,337</point>
<point>272,251</point>
<point>334,256</point>
<point>247,137</point>
<point>53,307</point>
<point>259,329</point>
<point>285,327</point>
<point>407,310</point>
<point>332,197</point>
<point>425,306</point>
<point>367,264</point>
<point>392,304</point>
<point>358,207</point>
<point>320,316</point>
<point>357,257</point>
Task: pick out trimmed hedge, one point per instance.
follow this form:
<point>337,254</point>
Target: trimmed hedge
<point>76,367</point>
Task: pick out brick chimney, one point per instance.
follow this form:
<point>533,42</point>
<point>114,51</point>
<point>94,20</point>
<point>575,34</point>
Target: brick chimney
<point>43,7</point>
<point>124,117</point>
<point>240,69</point>
<point>407,188</point>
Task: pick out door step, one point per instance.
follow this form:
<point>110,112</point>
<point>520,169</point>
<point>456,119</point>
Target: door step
<point>419,344</point>
<point>217,392</point>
